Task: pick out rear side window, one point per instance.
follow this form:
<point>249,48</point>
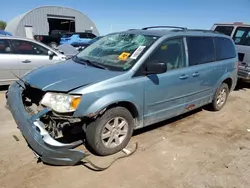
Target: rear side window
<point>225,48</point>
<point>200,50</point>
<point>68,35</point>
<point>5,47</point>
<point>227,30</point>
<point>83,35</point>
<point>91,35</point>
<point>242,36</point>
<point>23,47</point>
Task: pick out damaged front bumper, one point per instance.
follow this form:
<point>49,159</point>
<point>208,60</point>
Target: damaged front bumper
<point>50,151</point>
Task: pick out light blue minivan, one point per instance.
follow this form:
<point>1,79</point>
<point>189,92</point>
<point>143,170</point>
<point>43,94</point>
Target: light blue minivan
<point>124,81</point>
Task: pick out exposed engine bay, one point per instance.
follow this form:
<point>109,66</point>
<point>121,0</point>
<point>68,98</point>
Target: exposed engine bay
<point>57,125</point>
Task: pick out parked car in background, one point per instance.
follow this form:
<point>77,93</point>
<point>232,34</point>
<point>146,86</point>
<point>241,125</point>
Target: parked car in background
<point>52,40</point>
<point>18,56</point>
<point>68,50</point>
<point>81,45</point>
<point>240,33</point>
<point>122,82</point>
<point>76,37</point>
<point>5,33</point>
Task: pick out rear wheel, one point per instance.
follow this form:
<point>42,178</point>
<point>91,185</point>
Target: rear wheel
<point>220,98</point>
<point>111,132</point>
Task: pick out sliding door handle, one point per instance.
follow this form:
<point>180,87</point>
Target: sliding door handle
<point>195,74</point>
<point>184,76</point>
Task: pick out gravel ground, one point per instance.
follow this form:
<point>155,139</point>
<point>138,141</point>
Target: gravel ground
<point>201,149</point>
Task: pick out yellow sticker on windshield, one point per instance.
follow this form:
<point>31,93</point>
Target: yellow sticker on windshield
<point>164,47</point>
<point>124,56</point>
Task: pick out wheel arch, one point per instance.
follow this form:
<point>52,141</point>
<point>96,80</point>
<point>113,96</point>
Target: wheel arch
<point>128,105</point>
<point>229,82</point>
<point>122,99</point>
<point>228,79</point>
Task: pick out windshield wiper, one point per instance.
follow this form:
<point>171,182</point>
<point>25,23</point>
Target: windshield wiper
<point>94,64</point>
<point>88,62</point>
<point>79,60</point>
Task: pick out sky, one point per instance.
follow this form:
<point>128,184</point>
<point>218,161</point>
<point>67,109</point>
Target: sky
<point>118,15</point>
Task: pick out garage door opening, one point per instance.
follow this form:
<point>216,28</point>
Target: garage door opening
<point>59,24</point>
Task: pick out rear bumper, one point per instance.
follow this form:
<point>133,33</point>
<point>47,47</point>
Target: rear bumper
<point>244,74</point>
<point>45,147</point>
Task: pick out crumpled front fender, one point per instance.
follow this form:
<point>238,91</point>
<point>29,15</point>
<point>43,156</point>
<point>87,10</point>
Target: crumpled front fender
<point>50,151</point>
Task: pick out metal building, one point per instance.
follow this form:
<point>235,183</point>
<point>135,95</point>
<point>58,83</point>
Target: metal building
<point>43,20</point>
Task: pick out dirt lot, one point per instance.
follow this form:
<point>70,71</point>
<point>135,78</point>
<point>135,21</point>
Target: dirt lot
<point>203,149</point>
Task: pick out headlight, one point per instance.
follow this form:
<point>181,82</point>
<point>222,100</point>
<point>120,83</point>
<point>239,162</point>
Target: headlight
<point>61,102</point>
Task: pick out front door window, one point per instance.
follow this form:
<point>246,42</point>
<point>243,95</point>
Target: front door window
<point>171,53</point>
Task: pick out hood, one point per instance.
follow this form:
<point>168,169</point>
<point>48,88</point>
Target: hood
<point>66,76</point>
<point>67,49</point>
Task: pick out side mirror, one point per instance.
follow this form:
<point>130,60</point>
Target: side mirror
<point>80,49</point>
<point>156,68</point>
<point>51,54</point>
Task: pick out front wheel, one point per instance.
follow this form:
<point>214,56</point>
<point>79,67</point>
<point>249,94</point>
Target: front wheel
<point>111,132</point>
<point>220,97</point>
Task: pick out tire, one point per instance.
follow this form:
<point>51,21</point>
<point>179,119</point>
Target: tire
<point>98,130</point>
<point>215,106</point>
<point>53,45</point>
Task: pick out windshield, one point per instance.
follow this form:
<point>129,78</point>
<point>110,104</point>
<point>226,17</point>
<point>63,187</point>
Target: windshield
<point>95,39</point>
<point>242,36</point>
<point>118,51</point>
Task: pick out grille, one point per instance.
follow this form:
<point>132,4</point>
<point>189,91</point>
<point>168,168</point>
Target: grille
<point>243,74</point>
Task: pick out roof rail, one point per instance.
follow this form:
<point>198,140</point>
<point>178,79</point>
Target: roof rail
<point>174,27</point>
<point>204,30</point>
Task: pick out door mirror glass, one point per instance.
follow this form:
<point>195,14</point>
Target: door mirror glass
<point>50,53</point>
<point>156,68</point>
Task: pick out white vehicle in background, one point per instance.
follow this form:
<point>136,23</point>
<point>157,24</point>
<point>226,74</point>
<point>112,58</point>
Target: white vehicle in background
<point>20,55</point>
<point>240,33</point>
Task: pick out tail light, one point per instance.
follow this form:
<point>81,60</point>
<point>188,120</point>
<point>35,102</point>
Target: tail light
<point>238,64</point>
<point>39,38</point>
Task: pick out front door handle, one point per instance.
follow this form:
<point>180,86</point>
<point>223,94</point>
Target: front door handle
<point>195,74</point>
<point>184,76</point>
<point>26,61</point>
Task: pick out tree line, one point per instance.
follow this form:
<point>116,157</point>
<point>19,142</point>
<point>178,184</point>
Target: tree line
<point>2,25</point>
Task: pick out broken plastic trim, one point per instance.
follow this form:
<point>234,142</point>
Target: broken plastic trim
<point>49,150</point>
<point>92,166</point>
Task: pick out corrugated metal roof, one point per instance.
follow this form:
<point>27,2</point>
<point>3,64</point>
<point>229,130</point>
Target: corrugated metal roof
<point>37,18</point>
<point>13,24</point>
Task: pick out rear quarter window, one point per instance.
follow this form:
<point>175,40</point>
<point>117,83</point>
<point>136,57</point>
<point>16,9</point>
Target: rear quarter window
<point>225,48</point>
<point>227,30</point>
<point>200,50</point>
